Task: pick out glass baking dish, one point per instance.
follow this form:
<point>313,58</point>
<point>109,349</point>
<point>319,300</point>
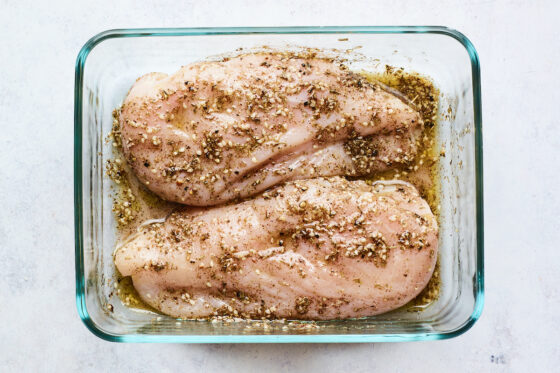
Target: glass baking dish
<point>111,61</point>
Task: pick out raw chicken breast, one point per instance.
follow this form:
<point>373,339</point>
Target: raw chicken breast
<point>310,249</point>
<point>217,131</point>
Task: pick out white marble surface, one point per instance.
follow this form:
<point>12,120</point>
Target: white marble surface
<point>519,47</point>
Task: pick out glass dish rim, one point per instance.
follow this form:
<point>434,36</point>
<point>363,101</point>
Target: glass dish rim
<point>314,338</point>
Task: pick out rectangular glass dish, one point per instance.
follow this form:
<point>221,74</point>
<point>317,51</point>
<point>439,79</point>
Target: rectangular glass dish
<point>110,62</point>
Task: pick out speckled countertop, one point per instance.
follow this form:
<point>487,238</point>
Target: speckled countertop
<point>519,48</point>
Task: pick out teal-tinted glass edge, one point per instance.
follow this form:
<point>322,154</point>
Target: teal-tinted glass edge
<point>354,338</point>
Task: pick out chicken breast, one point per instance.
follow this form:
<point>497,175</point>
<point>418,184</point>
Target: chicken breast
<point>310,249</point>
<point>217,131</point>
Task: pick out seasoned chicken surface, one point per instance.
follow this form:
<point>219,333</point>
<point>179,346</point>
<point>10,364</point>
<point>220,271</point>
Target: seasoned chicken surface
<point>321,248</point>
<point>217,131</point>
